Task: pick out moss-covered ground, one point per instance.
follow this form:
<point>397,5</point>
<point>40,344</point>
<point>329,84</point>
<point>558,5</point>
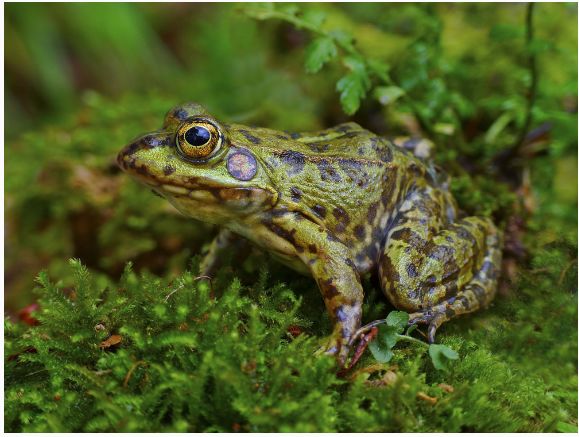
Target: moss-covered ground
<point>125,337</point>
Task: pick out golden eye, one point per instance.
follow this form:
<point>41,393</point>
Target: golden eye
<point>198,139</point>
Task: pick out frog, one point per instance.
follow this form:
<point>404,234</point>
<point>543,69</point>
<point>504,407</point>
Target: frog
<point>335,204</point>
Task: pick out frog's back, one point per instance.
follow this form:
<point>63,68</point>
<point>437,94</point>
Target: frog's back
<point>348,140</point>
<point>347,179</point>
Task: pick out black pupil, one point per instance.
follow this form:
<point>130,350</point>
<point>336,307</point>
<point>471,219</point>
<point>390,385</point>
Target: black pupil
<point>197,136</point>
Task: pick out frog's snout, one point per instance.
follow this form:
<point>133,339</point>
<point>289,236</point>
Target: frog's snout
<point>128,159</point>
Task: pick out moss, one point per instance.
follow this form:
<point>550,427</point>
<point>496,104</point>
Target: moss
<point>149,354</point>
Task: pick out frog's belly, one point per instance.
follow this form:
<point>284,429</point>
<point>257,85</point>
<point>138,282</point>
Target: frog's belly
<point>279,248</point>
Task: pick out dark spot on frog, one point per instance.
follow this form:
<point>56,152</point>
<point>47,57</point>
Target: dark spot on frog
<point>414,168</point>
<point>142,169</point>
<point>462,233</point>
<point>312,248</point>
<point>341,215</point>
<point>450,290</point>
<point>294,135</point>
<point>350,263</point>
<point>488,268</point>
<point>168,170</point>
<point>383,151</point>
<point>343,128</point>
<point>411,144</point>
<point>319,210</point>
<point>409,237</point>
<point>331,237</point>
<point>431,279</point>
<point>281,232</point>
<point>329,290</point>
<point>389,271</point>
<point>361,257</point>
<point>464,300</point>
<point>441,253</point>
<point>341,314</point>
<point>411,270</point>
<point>278,212</point>
<point>250,137</point>
<point>180,114</point>
<point>296,194</point>
<point>359,232</point>
<point>372,212</point>
<point>152,141</point>
<point>479,292</point>
<point>389,190</point>
<point>318,147</point>
<point>131,149</point>
<point>283,137</point>
<point>327,171</point>
<point>295,160</point>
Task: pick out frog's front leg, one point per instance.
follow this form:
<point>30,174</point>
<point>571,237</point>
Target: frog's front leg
<point>224,240</point>
<point>331,264</point>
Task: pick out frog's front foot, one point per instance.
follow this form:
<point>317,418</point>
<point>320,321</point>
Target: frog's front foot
<point>336,346</point>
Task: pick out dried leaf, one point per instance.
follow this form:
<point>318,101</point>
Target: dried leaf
<point>423,396</point>
<point>111,341</point>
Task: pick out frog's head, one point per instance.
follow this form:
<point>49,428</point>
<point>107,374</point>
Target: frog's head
<point>193,162</point>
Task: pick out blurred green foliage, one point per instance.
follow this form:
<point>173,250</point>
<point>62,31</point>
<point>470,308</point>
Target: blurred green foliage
<point>81,80</point>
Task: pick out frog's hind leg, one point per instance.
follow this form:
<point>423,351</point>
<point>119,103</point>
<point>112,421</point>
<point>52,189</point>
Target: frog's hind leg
<point>478,293</point>
<point>434,269</point>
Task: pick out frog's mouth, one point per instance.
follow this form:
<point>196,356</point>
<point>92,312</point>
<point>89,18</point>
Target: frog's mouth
<point>237,197</point>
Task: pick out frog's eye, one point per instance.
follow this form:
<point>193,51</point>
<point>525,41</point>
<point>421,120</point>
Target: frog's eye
<point>198,139</point>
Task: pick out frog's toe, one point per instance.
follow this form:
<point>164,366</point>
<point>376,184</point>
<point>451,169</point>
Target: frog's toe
<point>336,347</point>
<point>430,318</point>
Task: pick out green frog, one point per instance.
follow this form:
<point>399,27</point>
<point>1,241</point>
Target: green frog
<point>334,204</point>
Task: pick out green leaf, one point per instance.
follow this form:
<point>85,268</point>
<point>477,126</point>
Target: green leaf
<point>314,17</point>
<point>289,9</point>
<point>354,85</point>
<point>380,352</point>
<point>498,126</point>
<point>344,39</point>
<point>441,355</point>
<point>398,320</point>
<point>389,335</point>
<point>388,94</point>
<point>320,51</point>
<point>379,68</point>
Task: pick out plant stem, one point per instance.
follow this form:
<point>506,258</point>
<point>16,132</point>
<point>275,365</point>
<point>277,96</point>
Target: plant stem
<point>412,339</point>
<point>534,80</point>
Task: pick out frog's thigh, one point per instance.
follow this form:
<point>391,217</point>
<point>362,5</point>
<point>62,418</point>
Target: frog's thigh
<point>477,293</point>
<point>452,271</point>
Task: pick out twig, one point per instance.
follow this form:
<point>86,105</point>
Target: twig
<point>130,372</point>
<point>532,95</point>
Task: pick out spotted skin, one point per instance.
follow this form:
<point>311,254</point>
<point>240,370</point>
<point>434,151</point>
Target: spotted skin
<point>334,204</point>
